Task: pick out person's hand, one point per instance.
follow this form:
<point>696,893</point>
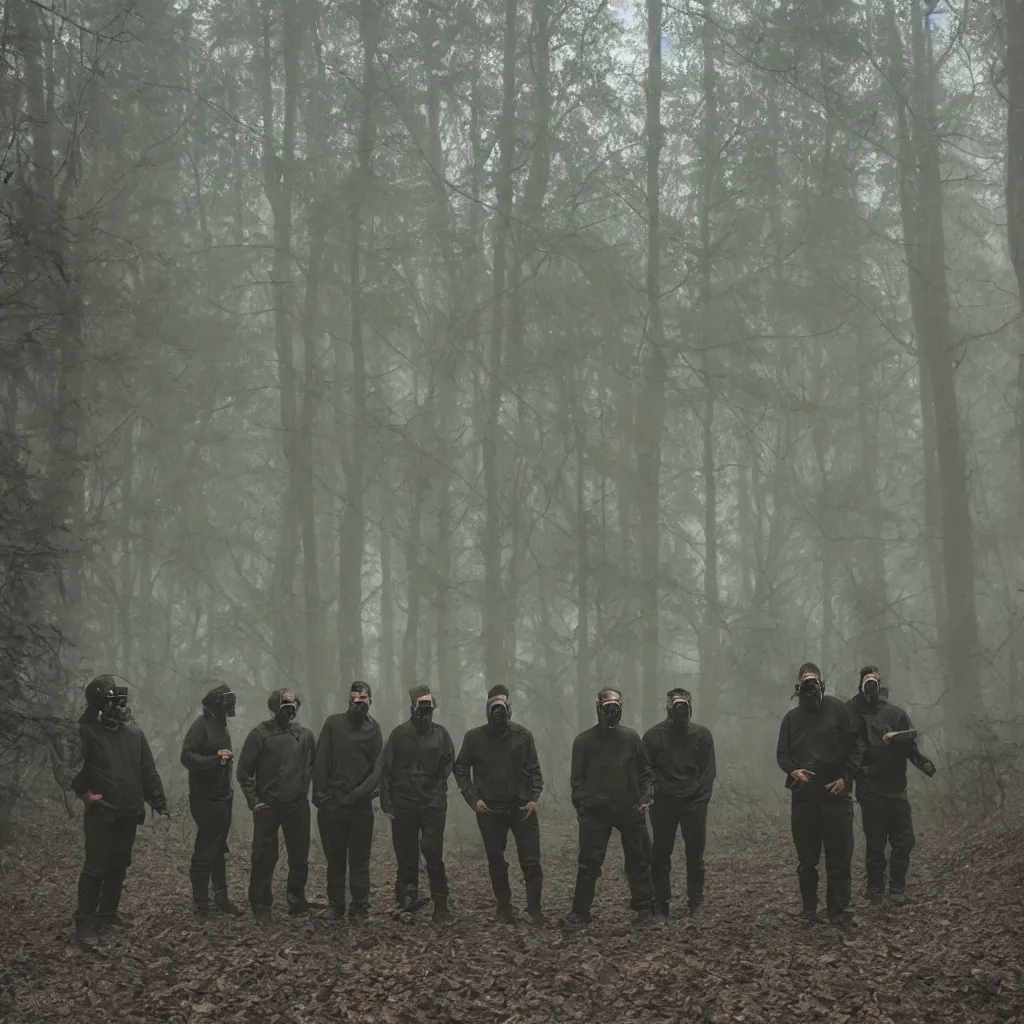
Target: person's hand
<point>529,808</point>
<point>91,798</point>
<point>887,738</point>
<point>837,788</point>
<point>482,808</point>
<point>389,815</point>
<point>259,807</point>
<point>800,775</point>
<point>644,808</point>
<point>224,755</point>
<point>928,767</point>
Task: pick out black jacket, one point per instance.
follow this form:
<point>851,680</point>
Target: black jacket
<point>683,760</point>
<point>412,770</point>
<point>118,765</point>
<point>883,770</point>
<point>502,769</point>
<point>825,742</point>
<point>276,765</point>
<point>208,777</point>
<point>611,771</point>
<point>345,757</point>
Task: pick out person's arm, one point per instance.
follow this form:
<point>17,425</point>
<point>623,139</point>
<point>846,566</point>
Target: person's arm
<point>644,773</point>
<point>310,750</point>
<point>322,765</point>
<point>914,755</point>
<point>463,771</point>
<point>854,745</point>
<point>152,787</point>
<point>533,772</point>
<point>447,754</point>
<point>578,772</point>
<point>378,777</point>
<point>784,750</point>
<point>191,758</point>
<point>245,773</point>
<point>706,763</point>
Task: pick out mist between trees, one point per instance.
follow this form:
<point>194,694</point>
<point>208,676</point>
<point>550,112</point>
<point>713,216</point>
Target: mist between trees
<point>557,345</point>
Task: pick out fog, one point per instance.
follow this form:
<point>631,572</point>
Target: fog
<point>558,346</point>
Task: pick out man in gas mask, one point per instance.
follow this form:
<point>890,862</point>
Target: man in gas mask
<point>499,774</point>
<point>412,772</point>
<point>682,757</point>
<point>890,741</point>
<point>820,752</point>
<point>346,753</point>
<point>206,753</point>
<point>274,773</point>
<point>115,779</point>
<point>611,784</point>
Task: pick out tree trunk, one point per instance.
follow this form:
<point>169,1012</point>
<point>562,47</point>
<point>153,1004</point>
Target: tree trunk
<point>386,658</point>
<point>651,418</point>
<point>710,644</point>
<point>494,612</point>
<point>1014,67</point>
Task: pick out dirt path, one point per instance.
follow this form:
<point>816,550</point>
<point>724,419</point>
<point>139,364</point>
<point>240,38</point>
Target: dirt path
<point>954,953</point>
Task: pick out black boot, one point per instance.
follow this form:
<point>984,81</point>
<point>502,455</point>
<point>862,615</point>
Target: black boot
<point>85,932</point>
<point>359,911</point>
<point>110,899</point>
<point>222,902</point>
<point>505,914</point>
<point>441,915</point>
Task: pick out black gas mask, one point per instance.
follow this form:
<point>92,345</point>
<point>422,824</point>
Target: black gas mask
<point>221,702</point>
<point>358,710</point>
<point>679,710</point>
<point>108,702</point>
<point>811,692</point>
<point>423,713</point>
<point>498,714</point>
<point>284,711</point>
<point>871,687</point>
<point>609,712</point>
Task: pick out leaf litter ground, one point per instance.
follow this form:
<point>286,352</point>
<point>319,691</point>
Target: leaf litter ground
<point>953,953</point>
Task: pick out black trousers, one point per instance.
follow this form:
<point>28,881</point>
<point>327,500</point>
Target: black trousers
<point>887,821</point>
<point>668,818</point>
<point>347,837</point>
<point>294,823</point>
<point>494,828</point>
<point>213,823</point>
<point>413,830</point>
<point>108,855</point>
<point>822,820</point>
<point>595,830</point>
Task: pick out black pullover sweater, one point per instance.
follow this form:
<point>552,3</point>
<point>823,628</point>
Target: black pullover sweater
<point>345,756</point>
<point>683,759</point>
<point>208,777</point>
<point>883,770</point>
<point>502,769</point>
<point>276,765</point>
<point>825,742</point>
<point>611,772</point>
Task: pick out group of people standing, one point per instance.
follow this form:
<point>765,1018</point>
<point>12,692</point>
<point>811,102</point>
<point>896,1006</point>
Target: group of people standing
<point>618,780</point>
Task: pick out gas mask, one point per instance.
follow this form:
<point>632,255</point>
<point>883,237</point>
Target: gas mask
<point>221,703</point>
<point>115,708</point>
<point>358,710</point>
<point>811,692</point>
<point>422,713</point>
<point>284,711</point>
<point>871,687</point>
<point>679,710</point>
<point>498,715</point>
<point>609,712</point>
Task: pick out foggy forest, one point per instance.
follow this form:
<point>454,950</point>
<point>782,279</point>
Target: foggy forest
<point>557,345</point>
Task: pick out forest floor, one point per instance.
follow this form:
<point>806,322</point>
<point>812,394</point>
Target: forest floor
<point>954,952</point>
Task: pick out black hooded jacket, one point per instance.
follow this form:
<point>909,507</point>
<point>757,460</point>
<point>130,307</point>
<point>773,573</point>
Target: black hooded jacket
<point>118,765</point>
<point>683,759</point>
<point>883,771</point>
<point>208,777</point>
<point>825,742</point>
<point>502,769</point>
<point>611,771</point>
<point>345,757</point>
